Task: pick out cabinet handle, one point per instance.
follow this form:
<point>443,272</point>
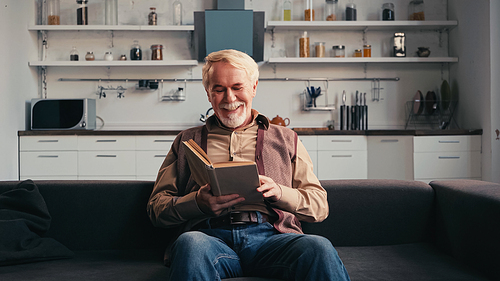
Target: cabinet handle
<point>341,140</point>
<point>48,156</point>
<point>48,140</point>
<point>449,157</point>
<point>449,141</point>
<point>341,155</point>
<point>105,156</point>
<point>162,140</point>
<point>162,156</point>
<point>105,140</point>
<point>389,141</point>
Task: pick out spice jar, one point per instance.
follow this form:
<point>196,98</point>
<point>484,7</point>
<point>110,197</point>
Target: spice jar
<point>304,46</point>
<point>309,11</point>
<point>358,53</point>
<point>287,10</point>
<point>82,13</point>
<point>73,55</point>
<point>367,51</point>
<point>331,10</point>
<point>135,51</point>
<point>108,56</point>
<point>123,57</point>
<point>388,11</point>
<point>320,49</point>
<point>152,17</point>
<point>156,52</point>
<point>416,10</point>
<point>89,56</point>
<point>350,12</point>
<point>53,8</point>
<point>339,51</point>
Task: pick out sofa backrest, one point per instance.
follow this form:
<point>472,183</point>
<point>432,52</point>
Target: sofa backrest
<point>102,215</point>
<point>376,212</point>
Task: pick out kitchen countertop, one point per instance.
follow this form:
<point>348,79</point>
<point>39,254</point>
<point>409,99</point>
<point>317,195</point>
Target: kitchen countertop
<point>301,131</point>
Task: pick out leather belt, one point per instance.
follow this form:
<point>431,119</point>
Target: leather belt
<point>234,218</point>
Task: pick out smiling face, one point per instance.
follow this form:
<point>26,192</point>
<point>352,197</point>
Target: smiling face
<point>230,91</point>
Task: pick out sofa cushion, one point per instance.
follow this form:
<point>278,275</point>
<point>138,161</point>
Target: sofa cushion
<point>376,212</point>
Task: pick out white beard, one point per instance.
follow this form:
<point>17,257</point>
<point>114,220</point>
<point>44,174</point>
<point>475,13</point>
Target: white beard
<point>233,120</point>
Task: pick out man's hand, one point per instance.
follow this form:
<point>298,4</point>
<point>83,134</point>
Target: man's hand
<point>269,189</point>
<point>214,205</point>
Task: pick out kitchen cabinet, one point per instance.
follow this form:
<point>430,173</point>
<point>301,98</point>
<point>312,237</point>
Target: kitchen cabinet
<point>311,145</point>
<point>150,153</point>
<point>342,157</point>
<point>447,157</point>
<point>390,157</point>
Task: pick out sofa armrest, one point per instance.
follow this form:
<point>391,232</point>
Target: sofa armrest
<point>468,222</point>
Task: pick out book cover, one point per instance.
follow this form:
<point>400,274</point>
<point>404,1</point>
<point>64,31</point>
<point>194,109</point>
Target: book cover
<point>231,177</point>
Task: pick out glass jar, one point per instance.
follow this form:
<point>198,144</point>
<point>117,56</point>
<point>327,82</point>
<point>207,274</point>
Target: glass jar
<point>108,56</point>
<point>90,56</point>
<point>135,51</point>
<point>152,17</point>
<point>367,51</point>
<point>331,10</point>
<point>358,53</point>
<point>111,12</point>
<point>339,51</point>
<point>53,10</point>
<point>416,10</point>
<point>287,10</point>
<point>73,55</point>
<point>123,57</point>
<point>309,11</point>
<point>82,13</point>
<point>388,11</point>
<point>399,45</point>
<point>157,52</point>
<point>350,12</point>
<point>320,49</point>
<point>304,46</point>
<point>177,10</point>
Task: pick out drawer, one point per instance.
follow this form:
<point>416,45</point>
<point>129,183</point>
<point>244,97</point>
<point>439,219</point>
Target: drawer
<point>156,143</point>
<point>309,142</point>
<point>46,163</point>
<point>53,143</point>
<point>390,157</point>
<point>109,178</point>
<point>342,143</point>
<point>108,143</point>
<point>447,165</point>
<point>41,178</point>
<point>446,143</point>
<point>334,165</point>
<point>106,163</point>
<point>149,162</point>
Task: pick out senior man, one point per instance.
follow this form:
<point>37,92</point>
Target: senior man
<point>222,236</point>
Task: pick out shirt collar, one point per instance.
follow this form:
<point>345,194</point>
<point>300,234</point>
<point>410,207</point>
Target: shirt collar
<point>213,122</point>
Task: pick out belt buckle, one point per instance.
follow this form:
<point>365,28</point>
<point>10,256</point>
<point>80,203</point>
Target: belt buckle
<point>232,218</point>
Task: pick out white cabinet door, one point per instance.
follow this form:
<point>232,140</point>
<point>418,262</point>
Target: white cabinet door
<point>154,143</point>
<point>35,164</point>
<point>336,165</point>
<point>390,157</point>
<point>106,143</point>
<point>311,145</point>
<point>148,162</point>
<point>106,163</point>
<point>47,143</point>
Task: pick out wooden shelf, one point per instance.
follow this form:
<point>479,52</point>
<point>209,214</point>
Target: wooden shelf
<point>112,27</point>
<point>364,60</point>
<point>361,25</point>
<point>116,63</point>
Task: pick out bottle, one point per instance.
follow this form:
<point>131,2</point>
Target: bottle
<point>111,12</point>
<point>350,12</point>
<point>367,51</point>
<point>136,52</point>
<point>108,56</point>
<point>177,13</point>
<point>82,13</point>
<point>416,10</point>
<point>89,56</point>
<point>73,55</point>
<point>388,11</point>
<point>287,10</point>
<point>304,46</point>
<point>153,17</point>
<point>331,10</point>
<point>53,9</point>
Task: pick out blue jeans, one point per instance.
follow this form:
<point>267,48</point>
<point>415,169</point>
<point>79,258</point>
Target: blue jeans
<point>254,250</point>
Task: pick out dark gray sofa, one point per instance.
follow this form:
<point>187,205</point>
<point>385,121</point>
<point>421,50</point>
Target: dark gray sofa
<point>382,229</point>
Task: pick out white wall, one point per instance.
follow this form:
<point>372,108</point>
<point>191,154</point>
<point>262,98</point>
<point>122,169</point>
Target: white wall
<point>495,89</point>
<point>17,81</point>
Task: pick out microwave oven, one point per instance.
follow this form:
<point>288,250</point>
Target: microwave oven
<point>63,114</point>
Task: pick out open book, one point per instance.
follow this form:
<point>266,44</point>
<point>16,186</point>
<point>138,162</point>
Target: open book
<point>231,177</point>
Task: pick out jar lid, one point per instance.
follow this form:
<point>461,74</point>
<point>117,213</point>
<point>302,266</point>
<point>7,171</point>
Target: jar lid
<point>339,47</point>
<point>367,46</point>
<point>357,50</point>
<point>108,53</point>
<point>158,46</point>
<point>90,52</point>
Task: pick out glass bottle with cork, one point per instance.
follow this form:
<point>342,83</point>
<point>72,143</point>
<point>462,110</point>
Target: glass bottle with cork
<point>287,10</point>
<point>309,11</point>
<point>304,51</point>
